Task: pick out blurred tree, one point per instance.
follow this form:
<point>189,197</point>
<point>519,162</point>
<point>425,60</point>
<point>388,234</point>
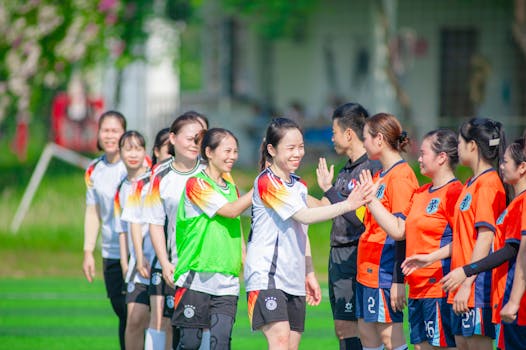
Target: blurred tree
<point>43,41</point>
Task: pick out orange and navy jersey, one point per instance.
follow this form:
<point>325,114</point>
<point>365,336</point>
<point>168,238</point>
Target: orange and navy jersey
<point>375,248</point>
<point>428,227</point>
<point>481,201</point>
<point>512,226</point>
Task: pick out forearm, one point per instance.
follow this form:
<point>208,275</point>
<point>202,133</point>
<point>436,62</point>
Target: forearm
<point>493,260</point>
<point>398,275</point>
<point>392,225</point>
<point>318,214</point>
<point>91,228</point>
<point>136,235</point>
<point>159,243</point>
<point>519,279</point>
<point>309,267</point>
<point>123,247</point>
<point>236,208</point>
<point>440,254</point>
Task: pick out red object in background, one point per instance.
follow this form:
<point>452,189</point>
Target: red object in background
<point>81,135</point>
<point>19,144</point>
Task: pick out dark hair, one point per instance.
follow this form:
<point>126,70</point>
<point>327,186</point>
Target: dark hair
<point>212,138</point>
<point>183,119</point>
<point>275,132</point>
<point>444,140</point>
<point>132,134</point>
<point>110,114</point>
<point>387,125</point>
<point>160,139</point>
<point>351,116</point>
<point>488,135</point>
<point>518,150</point>
<point>201,117</point>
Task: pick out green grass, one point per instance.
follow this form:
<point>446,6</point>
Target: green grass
<point>69,313</point>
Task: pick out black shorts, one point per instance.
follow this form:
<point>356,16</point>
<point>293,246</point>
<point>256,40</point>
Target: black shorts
<point>342,282</point>
<point>169,293</point>
<point>274,305</point>
<point>193,308</point>
<point>137,293</point>
<point>113,279</point>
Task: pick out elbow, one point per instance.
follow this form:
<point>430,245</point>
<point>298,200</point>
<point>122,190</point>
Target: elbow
<point>397,236</point>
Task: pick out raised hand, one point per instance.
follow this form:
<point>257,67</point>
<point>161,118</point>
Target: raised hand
<point>324,175</point>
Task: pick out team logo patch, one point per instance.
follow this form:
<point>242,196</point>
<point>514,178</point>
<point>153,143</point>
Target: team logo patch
<point>432,206</point>
<point>131,287</point>
<point>351,185</point>
<point>348,307</point>
<point>380,192</point>
<point>169,302</point>
<point>466,202</point>
<point>500,220</point>
<point>270,303</point>
<point>156,278</point>
<point>189,311</point>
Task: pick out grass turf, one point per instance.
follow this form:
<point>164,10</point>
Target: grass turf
<point>69,313</point>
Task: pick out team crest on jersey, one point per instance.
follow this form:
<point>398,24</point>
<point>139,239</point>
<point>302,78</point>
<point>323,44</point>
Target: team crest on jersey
<point>270,303</point>
<point>466,202</point>
<point>131,287</point>
<point>156,278</point>
<point>352,184</point>
<point>432,206</point>
<point>189,311</point>
<point>500,220</point>
<point>380,192</point>
<point>169,302</point>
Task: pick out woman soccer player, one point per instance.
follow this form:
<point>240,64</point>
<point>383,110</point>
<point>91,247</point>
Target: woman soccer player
<point>381,292</point>
<point>481,143</point>
<point>133,153</point>
<point>427,228</point>
<point>160,211</point>
<point>278,273</point>
<point>103,176</point>
<point>209,246</point>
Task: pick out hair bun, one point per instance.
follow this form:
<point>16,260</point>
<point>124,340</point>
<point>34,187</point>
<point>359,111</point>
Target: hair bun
<point>403,136</point>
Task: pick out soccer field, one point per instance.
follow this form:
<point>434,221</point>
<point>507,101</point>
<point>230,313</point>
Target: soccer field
<point>60,313</point>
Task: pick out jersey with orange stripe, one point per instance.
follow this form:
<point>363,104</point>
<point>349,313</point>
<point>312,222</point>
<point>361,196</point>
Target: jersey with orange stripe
<point>512,226</point>
<point>481,201</point>
<point>376,248</point>
<point>428,227</point>
<point>276,244</point>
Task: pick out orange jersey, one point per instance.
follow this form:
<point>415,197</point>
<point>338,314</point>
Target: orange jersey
<point>428,227</point>
<point>478,206</point>
<point>376,249</point>
<point>512,226</point>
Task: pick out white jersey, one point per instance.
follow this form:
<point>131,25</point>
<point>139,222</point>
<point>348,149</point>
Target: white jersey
<point>102,179</point>
<point>276,245</point>
<point>162,200</point>
<point>127,202</point>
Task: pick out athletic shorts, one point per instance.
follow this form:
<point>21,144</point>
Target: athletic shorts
<point>192,309</point>
<point>113,279</point>
<point>342,282</point>
<point>477,321</point>
<point>274,305</point>
<point>430,321</point>
<point>514,336</point>
<point>137,293</point>
<point>159,287</point>
<point>374,305</point>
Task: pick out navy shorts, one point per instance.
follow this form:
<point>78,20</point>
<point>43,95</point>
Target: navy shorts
<point>374,305</point>
<point>430,321</point>
<point>137,293</point>
<point>113,279</point>
<point>477,321</point>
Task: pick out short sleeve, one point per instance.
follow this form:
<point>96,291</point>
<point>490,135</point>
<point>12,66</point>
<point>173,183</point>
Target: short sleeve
<point>203,195</point>
<point>284,199</point>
